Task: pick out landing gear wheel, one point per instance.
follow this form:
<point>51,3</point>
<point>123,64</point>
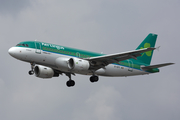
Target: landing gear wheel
<point>94,78</point>
<point>70,83</point>
<point>31,72</point>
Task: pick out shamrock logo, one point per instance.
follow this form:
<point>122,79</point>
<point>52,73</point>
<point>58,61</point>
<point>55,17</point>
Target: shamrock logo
<point>148,53</point>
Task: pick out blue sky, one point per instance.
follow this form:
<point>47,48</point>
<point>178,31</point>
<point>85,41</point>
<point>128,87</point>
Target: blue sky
<point>100,26</point>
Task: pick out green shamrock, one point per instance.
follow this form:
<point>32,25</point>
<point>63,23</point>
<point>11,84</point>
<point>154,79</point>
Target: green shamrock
<point>147,45</point>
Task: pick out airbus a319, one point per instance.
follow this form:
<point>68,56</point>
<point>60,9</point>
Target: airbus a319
<point>49,60</point>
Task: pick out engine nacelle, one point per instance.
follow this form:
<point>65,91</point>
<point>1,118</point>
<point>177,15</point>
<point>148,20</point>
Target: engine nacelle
<point>62,63</point>
<point>72,64</point>
<point>77,64</point>
<point>44,72</point>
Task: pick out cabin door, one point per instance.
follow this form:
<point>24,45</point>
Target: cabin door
<point>38,47</point>
<point>130,66</point>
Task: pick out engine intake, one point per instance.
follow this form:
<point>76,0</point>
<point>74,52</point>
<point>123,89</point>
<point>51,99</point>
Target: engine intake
<point>77,64</point>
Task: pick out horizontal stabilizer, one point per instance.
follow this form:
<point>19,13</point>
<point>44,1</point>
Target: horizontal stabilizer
<point>156,66</point>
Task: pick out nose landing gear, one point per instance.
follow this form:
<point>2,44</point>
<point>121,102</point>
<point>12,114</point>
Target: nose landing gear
<point>31,72</point>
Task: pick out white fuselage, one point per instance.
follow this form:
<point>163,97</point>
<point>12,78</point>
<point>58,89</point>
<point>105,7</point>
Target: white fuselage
<point>49,59</point>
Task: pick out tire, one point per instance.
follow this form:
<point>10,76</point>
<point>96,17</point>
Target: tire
<point>70,83</point>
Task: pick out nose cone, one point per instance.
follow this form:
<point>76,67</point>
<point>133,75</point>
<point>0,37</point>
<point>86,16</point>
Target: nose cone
<point>11,51</point>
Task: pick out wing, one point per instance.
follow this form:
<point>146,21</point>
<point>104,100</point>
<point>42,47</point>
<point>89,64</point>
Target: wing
<point>102,61</point>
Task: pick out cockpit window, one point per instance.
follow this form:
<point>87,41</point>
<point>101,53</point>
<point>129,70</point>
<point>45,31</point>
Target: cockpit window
<point>25,45</point>
<point>18,44</point>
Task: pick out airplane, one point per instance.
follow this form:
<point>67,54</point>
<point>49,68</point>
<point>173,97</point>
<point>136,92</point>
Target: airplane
<point>49,60</point>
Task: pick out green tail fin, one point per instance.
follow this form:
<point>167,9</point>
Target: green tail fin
<point>149,41</point>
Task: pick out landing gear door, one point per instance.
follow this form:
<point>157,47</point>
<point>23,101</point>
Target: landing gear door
<point>38,47</point>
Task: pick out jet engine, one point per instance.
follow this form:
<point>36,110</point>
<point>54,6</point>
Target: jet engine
<point>72,64</point>
<point>77,64</point>
<point>45,72</point>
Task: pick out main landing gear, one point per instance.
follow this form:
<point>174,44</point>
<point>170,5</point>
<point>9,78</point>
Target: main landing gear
<point>94,78</point>
<point>70,82</point>
<point>31,72</point>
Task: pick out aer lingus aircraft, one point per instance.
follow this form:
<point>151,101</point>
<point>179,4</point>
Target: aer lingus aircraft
<point>49,60</point>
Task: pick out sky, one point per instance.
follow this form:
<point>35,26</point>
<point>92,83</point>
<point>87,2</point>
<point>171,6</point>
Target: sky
<point>108,26</point>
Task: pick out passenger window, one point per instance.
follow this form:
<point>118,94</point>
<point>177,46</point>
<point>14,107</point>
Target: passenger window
<point>27,45</point>
<point>23,45</point>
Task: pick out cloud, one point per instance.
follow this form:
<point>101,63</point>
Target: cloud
<point>13,7</point>
<point>100,105</point>
<point>100,26</point>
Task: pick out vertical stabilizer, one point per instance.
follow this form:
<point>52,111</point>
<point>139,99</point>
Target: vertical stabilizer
<point>149,41</point>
